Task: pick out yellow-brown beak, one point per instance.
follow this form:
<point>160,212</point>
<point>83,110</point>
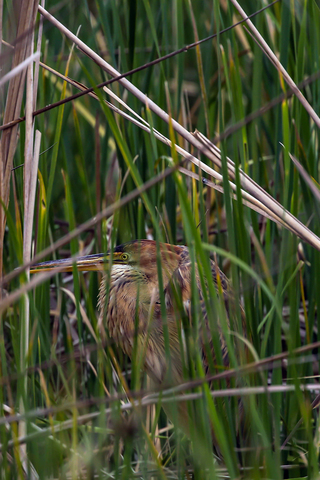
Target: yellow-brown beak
<point>96,262</point>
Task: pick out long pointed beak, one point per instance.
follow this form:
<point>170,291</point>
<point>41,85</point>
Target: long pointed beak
<point>96,262</point>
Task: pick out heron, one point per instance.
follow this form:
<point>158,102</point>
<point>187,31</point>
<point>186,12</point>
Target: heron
<point>130,299</point>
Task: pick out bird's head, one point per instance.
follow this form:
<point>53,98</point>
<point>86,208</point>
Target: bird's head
<point>142,255</point>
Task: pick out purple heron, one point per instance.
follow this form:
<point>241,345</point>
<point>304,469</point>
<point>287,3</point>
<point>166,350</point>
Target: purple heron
<point>130,302</point>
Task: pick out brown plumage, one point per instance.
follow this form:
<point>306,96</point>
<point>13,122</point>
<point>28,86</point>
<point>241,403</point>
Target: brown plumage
<point>130,303</point>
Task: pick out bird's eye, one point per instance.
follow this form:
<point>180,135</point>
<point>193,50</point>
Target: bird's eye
<point>124,257</point>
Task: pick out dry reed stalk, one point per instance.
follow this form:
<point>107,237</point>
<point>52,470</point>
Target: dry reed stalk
<point>9,138</point>
<point>274,59</point>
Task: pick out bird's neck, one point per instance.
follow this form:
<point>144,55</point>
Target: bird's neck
<point>121,300</point>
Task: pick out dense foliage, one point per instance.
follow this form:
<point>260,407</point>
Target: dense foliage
<point>66,377</point>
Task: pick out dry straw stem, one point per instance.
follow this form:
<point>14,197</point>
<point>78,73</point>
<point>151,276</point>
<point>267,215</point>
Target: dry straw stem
<point>267,50</point>
<point>249,200</point>
<point>199,142</point>
<point>311,184</point>
<point>13,105</point>
<point>19,68</point>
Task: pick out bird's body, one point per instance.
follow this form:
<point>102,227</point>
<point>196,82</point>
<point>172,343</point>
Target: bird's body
<point>134,294</point>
